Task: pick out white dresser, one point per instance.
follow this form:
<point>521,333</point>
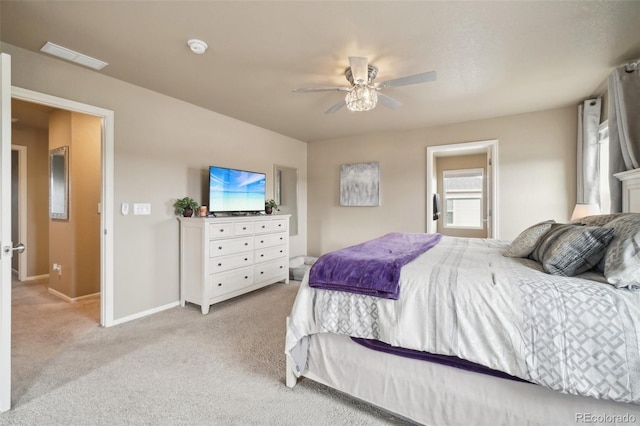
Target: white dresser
<point>224,257</point>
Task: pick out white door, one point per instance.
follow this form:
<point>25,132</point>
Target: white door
<point>6,246</point>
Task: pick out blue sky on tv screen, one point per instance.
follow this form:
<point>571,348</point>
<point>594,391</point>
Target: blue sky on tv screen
<point>228,180</point>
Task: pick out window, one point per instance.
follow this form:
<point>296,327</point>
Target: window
<point>463,194</point>
<point>603,158</point>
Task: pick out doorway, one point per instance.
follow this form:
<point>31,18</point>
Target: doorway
<point>471,169</point>
<point>106,185</point>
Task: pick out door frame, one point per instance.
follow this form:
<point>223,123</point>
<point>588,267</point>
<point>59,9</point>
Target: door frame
<point>107,203</point>
<point>490,147</point>
<point>22,210</point>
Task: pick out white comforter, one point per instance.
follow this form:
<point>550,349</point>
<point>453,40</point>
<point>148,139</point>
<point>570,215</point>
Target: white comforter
<point>464,298</point>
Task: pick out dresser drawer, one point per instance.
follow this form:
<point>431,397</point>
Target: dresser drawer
<point>232,246</point>
<point>271,270</point>
<point>280,225</point>
<point>243,228</point>
<point>226,263</point>
<point>220,230</point>
<point>226,282</point>
<point>270,240</point>
<point>263,226</point>
<point>271,253</point>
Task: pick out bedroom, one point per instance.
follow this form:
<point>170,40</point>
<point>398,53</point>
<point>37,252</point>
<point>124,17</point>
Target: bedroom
<point>162,143</point>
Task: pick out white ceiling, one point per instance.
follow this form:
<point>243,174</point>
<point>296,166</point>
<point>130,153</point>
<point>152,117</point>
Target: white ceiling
<point>492,58</point>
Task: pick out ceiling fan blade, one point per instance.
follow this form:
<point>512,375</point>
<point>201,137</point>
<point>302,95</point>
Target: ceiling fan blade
<point>359,69</point>
<point>388,101</point>
<point>320,89</point>
<point>410,79</point>
<point>336,107</point>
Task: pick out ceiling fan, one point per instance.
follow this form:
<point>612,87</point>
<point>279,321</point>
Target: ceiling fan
<point>363,94</point>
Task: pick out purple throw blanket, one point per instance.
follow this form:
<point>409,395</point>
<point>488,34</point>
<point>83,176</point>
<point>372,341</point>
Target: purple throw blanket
<point>371,268</point>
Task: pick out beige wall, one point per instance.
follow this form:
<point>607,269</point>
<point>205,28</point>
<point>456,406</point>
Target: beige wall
<point>456,163</point>
<point>163,147</point>
<point>86,186</point>
<point>37,244</point>
<point>536,176</point>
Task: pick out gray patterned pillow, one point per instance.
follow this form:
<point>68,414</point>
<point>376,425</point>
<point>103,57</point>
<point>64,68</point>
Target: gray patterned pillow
<point>598,219</point>
<point>622,259</point>
<point>570,249</point>
<point>523,244</point>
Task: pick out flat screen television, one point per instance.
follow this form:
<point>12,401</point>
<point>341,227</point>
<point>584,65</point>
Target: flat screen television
<point>232,190</point>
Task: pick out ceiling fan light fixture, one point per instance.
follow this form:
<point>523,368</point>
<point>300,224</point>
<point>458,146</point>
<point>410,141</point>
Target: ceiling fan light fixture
<point>361,97</point>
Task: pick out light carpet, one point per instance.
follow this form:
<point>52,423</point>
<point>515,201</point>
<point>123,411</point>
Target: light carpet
<point>176,367</point>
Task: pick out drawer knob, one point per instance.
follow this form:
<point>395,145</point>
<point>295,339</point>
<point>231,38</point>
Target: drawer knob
<point>281,266</point>
<point>262,255</point>
<point>221,229</point>
<point>261,272</point>
<point>279,224</point>
<point>281,238</point>
<point>219,284</point>
<point>245,259</point>
<point>281,251</point>
<point>246,277</point>
<point>246,244</point>
<point>261,241</point>
<point>220,248</point>
<point>263,226</point>
<point>219,264</point>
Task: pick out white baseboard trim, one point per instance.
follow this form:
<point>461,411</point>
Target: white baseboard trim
<point>72,299</point>
<point>37,277</point>
<point>145,313</point>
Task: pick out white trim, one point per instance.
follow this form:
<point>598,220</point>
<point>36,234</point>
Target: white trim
<point>37,277</point>
<point>106,218</point>
<point>146,313</point>
<point>72,299</point>
<point>22,210</point>
<point>491,147</point>
<point>5,232</point>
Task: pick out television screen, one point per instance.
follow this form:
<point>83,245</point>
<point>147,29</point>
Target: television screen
<point>233,190</point>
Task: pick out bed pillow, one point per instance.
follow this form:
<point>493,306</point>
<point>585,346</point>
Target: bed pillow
<point>523,244</point>
<point>622,259</point>
<point>598,219</point>
<point>570,249</point>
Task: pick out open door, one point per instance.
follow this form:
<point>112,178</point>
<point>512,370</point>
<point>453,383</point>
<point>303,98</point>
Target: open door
<point>6,245</point>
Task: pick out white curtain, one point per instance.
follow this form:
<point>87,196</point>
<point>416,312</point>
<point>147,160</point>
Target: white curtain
<point>624,127</point>
<point>588,152</point>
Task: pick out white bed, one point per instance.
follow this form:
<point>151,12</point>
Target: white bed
<point>321,349</point>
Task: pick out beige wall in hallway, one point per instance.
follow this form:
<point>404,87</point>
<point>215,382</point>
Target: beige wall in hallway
<point>536,181</point>
<point>37,142</point>
<point>75,243</point>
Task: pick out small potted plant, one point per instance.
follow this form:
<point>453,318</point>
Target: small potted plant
<point>185,206</point>
<point>270,206</point>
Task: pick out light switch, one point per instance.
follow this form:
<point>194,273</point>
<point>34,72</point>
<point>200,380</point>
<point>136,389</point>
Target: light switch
<point>141,209</point>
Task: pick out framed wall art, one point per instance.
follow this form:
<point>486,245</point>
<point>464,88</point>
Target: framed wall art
<point>360,185</point>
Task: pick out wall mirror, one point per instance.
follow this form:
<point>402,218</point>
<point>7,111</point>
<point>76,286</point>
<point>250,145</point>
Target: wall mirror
<point>286,194</point>
<point>59,183</point>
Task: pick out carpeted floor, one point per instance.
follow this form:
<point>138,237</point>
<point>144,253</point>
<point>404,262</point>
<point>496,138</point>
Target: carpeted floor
<point>175,367</point>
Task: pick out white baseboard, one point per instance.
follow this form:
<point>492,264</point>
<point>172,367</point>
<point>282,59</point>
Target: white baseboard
<point>145,313</point>
<point>37,277</point>
<point>72,299</point>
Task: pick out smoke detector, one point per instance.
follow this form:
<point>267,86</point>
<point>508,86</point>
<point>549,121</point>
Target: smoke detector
<point>197,46</point>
